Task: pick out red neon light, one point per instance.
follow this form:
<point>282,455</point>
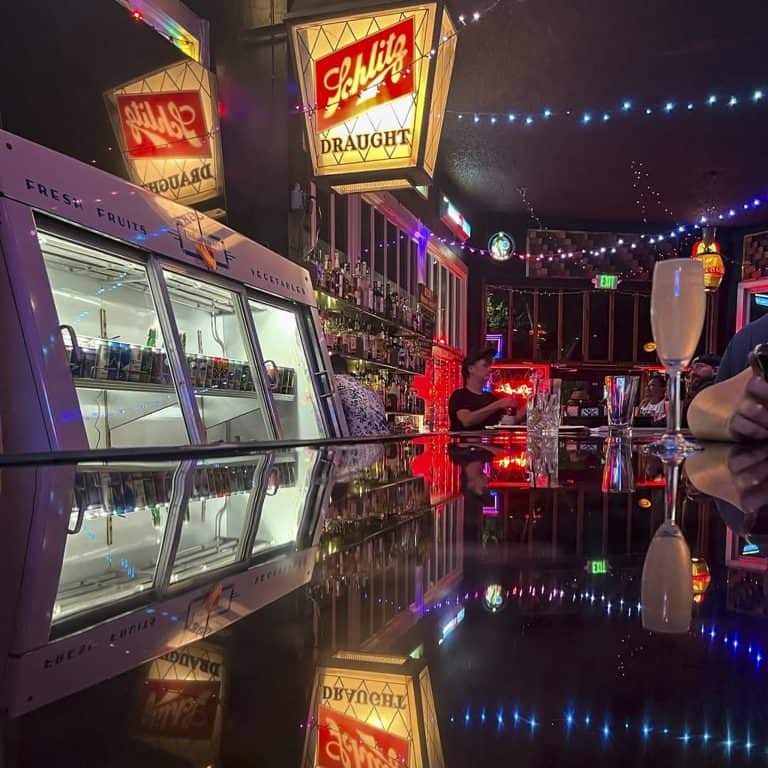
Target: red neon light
<point>507,461</point>
<point>137,14</point>
<point>521,389</point>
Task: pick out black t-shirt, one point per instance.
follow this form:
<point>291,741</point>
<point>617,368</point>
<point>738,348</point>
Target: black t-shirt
<point>736,355</point>
<point>463,399</point>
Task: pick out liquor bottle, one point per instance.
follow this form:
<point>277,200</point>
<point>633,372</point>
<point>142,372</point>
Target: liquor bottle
<point>151,337</point>
<point>358,280</point>
<point>339,272</point>
<point>417,319</point>
<point>367,286</point>
<point>388,305</point>
<point>349,284</point>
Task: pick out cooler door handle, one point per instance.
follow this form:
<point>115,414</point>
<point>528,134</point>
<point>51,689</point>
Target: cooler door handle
<point>272,384</point>
<point>326,390</point>
<point>276,487</point>
<point>77,355</point>
<point>79,523</point>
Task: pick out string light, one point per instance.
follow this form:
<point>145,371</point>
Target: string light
<point>675,231</point>
<point>627,107</point>
<point>645,730</point>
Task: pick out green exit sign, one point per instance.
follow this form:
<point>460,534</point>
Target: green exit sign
<point>606,282</point>
<point>598,566</point>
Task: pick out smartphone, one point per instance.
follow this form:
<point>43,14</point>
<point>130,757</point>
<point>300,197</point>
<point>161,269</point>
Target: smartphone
<point>761,354</point>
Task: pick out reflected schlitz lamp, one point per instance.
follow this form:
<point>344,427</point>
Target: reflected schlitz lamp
<point>707,250</point>
<point>372,710</point>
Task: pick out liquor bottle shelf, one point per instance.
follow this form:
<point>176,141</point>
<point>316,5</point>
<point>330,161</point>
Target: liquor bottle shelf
<point>377,364</point>
<point>344,305</point>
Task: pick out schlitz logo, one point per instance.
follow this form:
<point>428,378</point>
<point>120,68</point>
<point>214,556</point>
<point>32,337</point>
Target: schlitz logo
<point>348,743</point>
<point>163,125</point>
<point>180,708</point>
<point>366,73</point>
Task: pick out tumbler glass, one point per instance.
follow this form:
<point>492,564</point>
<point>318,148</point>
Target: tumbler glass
<point>544,407</point>
<point>618,474</point>
<point>621,394</point>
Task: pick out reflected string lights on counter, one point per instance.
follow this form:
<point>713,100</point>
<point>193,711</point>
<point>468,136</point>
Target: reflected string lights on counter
<point>711,102</point>
<point>613,607</point>
<point>608,729</point>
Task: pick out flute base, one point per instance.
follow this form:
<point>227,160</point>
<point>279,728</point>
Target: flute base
<point>673,446</point>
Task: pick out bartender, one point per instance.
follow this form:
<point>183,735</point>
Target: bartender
<point>470,407</point>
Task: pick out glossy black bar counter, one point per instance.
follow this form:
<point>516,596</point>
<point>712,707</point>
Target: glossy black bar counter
<point>187,611</point>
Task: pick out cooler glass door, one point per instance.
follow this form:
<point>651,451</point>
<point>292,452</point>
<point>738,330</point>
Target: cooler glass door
<point>290,376</point>
<point>116,348</point>
<point>123,518</point>
<point>219,517</point>
<point>219,360</point>
<point>288,495</point>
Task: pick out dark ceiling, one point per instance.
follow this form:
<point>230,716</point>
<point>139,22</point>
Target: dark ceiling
<point>522,56</point>
<point>590,55</point>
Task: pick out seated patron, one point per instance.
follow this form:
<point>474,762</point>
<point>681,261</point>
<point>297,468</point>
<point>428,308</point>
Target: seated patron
<point>736,406</point>
<point>363,408</point>
<point>701,375</point>
<point>655,404</point>
<point>472,408</point>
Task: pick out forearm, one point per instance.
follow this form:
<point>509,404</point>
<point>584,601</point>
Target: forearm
<point>473,418</point>
<point>712,410</point>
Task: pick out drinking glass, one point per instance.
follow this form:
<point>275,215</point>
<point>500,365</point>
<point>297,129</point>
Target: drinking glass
<point>544,407</point>
<point>666,586</point>
<point>618,474</point>
<point>678,305</point>
<point>543,460</point>
<point>621,393</point>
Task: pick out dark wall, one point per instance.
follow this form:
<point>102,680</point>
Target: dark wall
<point>58,59</point>
<point>261,133</point>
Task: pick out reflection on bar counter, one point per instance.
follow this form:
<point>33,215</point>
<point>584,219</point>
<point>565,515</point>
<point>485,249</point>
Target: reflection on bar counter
<point>361,597</point>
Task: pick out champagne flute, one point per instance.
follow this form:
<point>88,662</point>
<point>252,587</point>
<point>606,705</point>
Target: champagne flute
<point>666,587</point>
<point>678,305</point>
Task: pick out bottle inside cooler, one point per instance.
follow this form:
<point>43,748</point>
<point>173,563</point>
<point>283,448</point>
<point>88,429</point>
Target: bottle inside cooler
<point>116,348</point>
<point>217,355</point>
<point>288,373</point>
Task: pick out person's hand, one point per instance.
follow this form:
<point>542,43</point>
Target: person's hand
<point>749,470</point>
<point>750,418</point>
<point>509,402</point>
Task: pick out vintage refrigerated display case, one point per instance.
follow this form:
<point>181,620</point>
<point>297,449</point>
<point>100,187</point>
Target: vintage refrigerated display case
<point>122,562</point>
<point>132,321</point>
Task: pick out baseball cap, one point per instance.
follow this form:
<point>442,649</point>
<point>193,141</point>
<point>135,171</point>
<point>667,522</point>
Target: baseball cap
<point>474,356</point>
<point>712,360</point>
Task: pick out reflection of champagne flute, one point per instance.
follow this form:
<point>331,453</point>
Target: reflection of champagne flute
<point>666,590</point>
<point>678,304</point>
